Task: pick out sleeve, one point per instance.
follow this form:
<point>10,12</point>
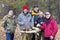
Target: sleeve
<point>35,19</point>
<point>19,20</point>
<point>4,19</point>
<point>31,21</point>
<point>42,27</point>
<point>4,22</point>
<point>55,28</point>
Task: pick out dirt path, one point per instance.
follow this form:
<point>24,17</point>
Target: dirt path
<point>58,34</point>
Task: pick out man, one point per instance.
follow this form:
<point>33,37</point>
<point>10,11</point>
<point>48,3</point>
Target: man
<point>9,24</point>
<point>41,18</point>
<point>34,12</point>
<point>24,21</point>
<point>49,27</point>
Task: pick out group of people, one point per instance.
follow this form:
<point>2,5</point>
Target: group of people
<point>28,19</point>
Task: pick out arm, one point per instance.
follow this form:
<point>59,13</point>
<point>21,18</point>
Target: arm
<point>4,20</point>
<point>42,27</point>
<point>19,20</point>
<point>30,22</point>
<point>55,28</point>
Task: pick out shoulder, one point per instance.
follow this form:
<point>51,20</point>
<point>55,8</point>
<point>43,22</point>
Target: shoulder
<point>6,16</point>
<point>29,13</point>
<point>53,21</point>
<point>20,14</point>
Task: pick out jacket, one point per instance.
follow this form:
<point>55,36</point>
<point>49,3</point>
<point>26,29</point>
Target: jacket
<point>51,29</point>
<point>27,19</point>
<point>9,24</point>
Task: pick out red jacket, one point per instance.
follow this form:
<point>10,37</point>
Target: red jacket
<point>50,29</point>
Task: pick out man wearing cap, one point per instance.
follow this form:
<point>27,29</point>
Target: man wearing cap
<point>24,21</point>
<point>49,27</point>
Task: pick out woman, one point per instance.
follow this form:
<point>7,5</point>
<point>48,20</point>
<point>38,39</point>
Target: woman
<point>49,27</point>
<point>40,21</point>
<point>9,24</point>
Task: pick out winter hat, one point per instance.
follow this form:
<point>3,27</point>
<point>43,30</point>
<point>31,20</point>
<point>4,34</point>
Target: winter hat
<point>25,7</point>
<point>47,13</point>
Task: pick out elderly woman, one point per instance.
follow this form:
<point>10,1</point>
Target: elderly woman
<point>40,21</point>
<point>49,27</point>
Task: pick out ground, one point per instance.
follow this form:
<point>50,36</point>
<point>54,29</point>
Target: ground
<point>17,34</point>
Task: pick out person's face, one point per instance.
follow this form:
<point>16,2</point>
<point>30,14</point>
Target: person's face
<point>36,9</point>
<point>41,14</point>
<point>25,11</point>
<point>11,13</point>
<point>47,16</point>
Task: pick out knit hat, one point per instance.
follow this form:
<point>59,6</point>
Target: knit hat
<point>25,7</point>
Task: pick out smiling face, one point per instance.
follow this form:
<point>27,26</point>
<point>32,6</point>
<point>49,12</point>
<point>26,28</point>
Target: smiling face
<point>41,14</point>
<point>47,16</point>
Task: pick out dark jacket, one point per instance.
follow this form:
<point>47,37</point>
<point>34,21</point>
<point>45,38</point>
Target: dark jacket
<point>40,20</point>
<point>35,20</point>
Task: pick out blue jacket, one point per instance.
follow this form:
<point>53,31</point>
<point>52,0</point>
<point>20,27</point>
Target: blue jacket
<point>27,19</point>
<point>35,20</point>
<point>40,20</point>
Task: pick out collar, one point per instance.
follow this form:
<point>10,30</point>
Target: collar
<point>25,14</point>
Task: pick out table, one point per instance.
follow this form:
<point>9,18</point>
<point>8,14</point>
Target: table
<point>36,30</point>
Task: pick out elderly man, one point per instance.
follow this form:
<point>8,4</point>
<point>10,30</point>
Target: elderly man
<point>24,20</point>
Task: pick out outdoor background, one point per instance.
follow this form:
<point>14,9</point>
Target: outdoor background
<point>53,6</point>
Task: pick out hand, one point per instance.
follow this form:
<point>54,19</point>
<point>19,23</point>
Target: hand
<point>41,23</point>
<point>51,37</point>
<point>38,25</point>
